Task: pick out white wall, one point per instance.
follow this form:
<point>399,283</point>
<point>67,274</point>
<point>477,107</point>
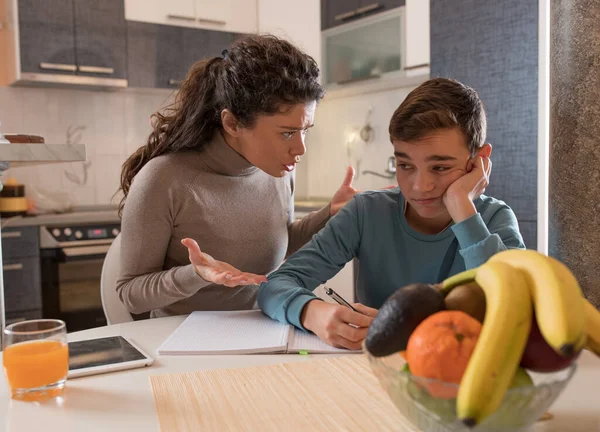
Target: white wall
<point>296,21</point>
<point>300,23</point>
<point>116,124</point>
<point>326,142</point>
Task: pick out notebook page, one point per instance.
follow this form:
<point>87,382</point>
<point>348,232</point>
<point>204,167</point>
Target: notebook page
<point>227,332</point>
<point>304,341</point>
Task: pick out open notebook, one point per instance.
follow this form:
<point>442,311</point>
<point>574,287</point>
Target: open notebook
<point>240,332</point>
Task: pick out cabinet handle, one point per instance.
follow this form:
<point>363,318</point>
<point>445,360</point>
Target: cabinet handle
<point>368,8</point>
<point>352,80</point>
<point>416,66</point>
<point>11,234</point>
<point>12,267</point>
<point>211,21</point>
<point>97,69</point>
<point>181,17</point>
<point>345,15</point>
<point>59,67</point>
<point>175,82</point>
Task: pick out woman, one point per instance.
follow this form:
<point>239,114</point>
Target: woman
<point>217,170</point>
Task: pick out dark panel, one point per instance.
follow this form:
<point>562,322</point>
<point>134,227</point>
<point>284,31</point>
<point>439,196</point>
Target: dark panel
<point>155,55</point>
<point>20,242</point>
<point>22,285</point>
<point>337,8</point>
<point>15,317</point>
<point>46,34</point>
<point>101,36</point>
<point>529,232</point>
<point>493,47</point>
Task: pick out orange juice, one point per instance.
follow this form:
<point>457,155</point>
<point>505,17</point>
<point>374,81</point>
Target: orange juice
<point>36,364</point>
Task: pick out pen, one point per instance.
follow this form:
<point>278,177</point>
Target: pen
<point>331,293</point>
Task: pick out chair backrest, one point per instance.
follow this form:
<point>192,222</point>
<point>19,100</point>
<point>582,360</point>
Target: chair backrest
<point>114,310</point>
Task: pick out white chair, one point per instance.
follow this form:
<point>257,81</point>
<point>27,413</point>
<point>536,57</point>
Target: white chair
<point>114,309</point>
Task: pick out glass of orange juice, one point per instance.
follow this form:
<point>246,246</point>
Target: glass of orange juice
<point>36,358</point>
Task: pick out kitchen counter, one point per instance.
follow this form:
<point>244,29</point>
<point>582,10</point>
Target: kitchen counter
<point>108,214</point>
<point>78,216</point>
<point>308,204</point>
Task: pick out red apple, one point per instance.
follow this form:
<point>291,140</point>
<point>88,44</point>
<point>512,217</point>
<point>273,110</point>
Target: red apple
<point>541,357</point>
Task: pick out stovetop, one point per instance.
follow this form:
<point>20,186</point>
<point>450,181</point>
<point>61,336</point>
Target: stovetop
<point>76,216</point>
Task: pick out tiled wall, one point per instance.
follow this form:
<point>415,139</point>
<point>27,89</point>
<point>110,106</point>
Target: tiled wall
<point>112,125</point>
<point>117,123</point>
<point>493,46</point>
<point>327,155</point>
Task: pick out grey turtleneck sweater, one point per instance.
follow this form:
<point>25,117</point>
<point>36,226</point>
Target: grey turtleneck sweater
<point>236,212</point>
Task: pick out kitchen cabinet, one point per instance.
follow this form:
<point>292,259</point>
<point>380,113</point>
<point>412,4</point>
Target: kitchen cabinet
<point>21,272</point>
<point>367,49</point>
<point>239,16</point>
<point>337,12</point>
<point>100,38</point>
<point>47,36</point>
<point>66,42</point>
<point>159,56</point>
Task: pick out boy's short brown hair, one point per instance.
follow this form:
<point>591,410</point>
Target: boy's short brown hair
<point>440,103</point>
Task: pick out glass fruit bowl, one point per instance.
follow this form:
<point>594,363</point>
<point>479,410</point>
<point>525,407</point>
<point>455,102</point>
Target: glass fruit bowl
<point>521,407</point>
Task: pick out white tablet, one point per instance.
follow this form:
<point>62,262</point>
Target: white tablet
<point>108,354</point>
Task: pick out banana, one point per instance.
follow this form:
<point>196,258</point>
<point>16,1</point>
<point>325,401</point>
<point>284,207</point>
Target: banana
<point>461,278</point>
<point>500,345</point>
<point>556,295</point>
<point>592,327</point>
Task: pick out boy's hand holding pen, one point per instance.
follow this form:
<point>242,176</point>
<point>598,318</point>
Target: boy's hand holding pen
<point>343,326</point>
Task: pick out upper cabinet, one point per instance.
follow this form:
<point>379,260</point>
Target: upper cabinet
<point>66,42</point>
<point>370,48</point>
<point>100,38</point>
<point>337,12</point>
<point>160,55</point>
<point>383,46</point>
<point>237,16</point>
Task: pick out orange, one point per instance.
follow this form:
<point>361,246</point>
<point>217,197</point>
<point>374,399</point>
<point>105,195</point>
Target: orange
<point>440,348</point>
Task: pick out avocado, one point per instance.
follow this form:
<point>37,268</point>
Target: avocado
<point>399,315</point>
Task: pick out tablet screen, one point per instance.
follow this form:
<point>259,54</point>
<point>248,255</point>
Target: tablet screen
<point>101,352</point>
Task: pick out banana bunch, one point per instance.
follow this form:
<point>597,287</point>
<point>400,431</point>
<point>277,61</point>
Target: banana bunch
<point>516,283</point>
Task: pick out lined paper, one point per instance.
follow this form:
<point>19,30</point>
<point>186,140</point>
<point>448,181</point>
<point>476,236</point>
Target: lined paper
<point>303,341</point>
<point>227,332</point>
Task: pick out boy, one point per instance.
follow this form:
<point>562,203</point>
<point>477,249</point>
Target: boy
<point>435,224</point>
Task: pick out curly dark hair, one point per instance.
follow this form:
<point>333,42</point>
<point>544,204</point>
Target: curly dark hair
<point>440,103</point>
<point>259,75</point>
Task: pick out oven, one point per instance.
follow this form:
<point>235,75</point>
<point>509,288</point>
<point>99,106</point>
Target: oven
<point>71,266</point>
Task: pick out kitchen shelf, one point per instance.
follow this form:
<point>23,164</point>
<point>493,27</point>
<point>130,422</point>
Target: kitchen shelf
<point>33,154</point>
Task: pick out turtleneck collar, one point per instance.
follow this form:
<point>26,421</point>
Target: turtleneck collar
<point>221,158</point>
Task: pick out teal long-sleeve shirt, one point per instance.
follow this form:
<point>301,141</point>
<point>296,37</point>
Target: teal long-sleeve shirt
<point>373,229</point>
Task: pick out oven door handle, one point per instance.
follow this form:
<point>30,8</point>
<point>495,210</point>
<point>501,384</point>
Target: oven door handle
<point>85,252</point>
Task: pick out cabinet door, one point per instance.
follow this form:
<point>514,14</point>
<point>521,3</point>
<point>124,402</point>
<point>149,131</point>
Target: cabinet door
<point>172,12</point>
<point>338,12</point>
<point>155,55</point>
<point>367,6</point>
<point>210,12</point>
<point>47,36</point>
<point>201,44</point>
<point>22,284</point>
<point>101,38</point>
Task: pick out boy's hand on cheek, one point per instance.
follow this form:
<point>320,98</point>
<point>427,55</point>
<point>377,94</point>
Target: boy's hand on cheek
<point>459,197</point>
